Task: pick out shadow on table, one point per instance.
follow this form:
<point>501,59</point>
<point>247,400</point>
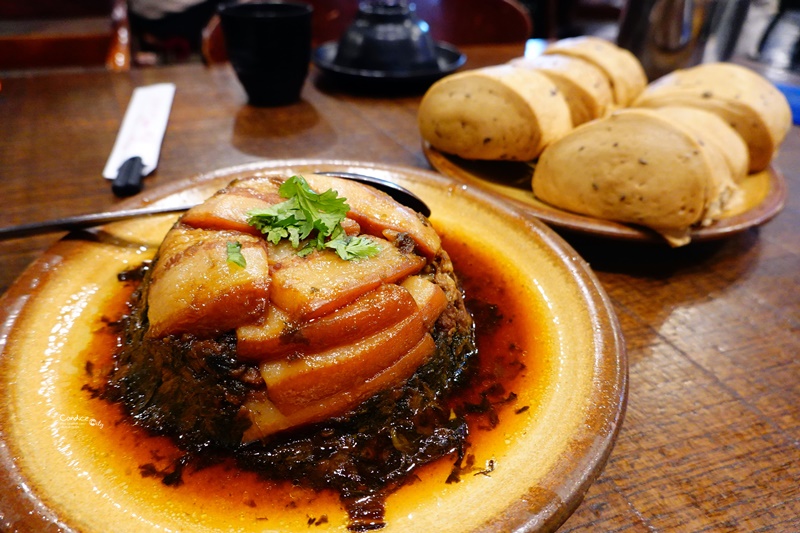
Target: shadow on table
<point>278,131</point>
<point>661,294</point>
<point>657,260</point>
<point>371,88</point>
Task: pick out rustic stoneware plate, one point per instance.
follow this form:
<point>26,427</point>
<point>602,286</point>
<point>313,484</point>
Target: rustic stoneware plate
<point>765,194</point>
<point>67,465</point>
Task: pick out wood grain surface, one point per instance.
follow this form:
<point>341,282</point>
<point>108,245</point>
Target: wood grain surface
<point>711,439</point>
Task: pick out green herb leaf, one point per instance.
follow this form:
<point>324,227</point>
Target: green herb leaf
<point>349,248</point>
<point>309,219</point>
<point>234,250</point>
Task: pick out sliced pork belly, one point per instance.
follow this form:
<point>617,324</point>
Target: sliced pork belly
<point>309,382</point>
<point>267,419</point>
<point>294,384</point>
<point>195,289</point>
<point>376,212</point>
<point>227,210</point>
<point>312,286</point>
<point>430,298</point>
<point>379,214</point>
<point>286,339</point>
<point>279,337</point>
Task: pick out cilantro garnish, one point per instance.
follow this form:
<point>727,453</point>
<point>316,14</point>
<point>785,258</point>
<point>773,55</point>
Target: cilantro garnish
<point>234,250</point>
<point>311,221</point>
<point>348,247</point>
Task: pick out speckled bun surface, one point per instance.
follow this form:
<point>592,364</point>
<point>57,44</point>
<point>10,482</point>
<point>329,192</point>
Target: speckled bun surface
<point>752,105</point>
<point>499,112</point>
<point>584,86</point>
<point>633,166</point>
<point>623,69</point>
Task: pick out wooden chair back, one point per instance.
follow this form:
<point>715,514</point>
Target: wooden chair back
<point>64,33</point>
<point>458,22</point>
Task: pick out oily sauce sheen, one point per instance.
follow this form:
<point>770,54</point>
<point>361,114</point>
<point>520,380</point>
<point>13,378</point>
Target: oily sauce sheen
<point>507,357</point>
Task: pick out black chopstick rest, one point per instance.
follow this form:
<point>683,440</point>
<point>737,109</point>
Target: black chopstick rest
<point>129,177</point>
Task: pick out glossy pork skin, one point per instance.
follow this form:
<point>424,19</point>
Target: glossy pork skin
<point>278,336</point>
<point>375,211</point>
<point>325,333</point>
<point>195,289</point>
<point>379,214</point>
<point>322,384</point>
<point>268,419</point>
<point>227,210</point>
<point>315,285</point>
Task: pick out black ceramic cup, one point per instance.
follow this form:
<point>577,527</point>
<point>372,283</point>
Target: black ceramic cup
<point>269,47</point>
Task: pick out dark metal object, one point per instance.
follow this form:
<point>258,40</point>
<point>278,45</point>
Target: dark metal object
<point>385,48</point>
<point>400,194</point>
<point>83,221</point>
<point>670,34</point>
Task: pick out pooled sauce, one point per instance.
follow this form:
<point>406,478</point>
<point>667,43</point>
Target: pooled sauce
<point>506,355</point>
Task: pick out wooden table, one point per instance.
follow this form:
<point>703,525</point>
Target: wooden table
<point>711,440</point>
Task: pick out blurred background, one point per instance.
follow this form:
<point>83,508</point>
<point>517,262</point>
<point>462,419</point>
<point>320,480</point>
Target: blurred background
<point>123,34</point>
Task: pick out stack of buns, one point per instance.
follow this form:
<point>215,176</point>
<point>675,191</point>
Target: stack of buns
<point>476,114</point>
<point>670,155</point>
<point>753,107</point>
<point>494,113</point>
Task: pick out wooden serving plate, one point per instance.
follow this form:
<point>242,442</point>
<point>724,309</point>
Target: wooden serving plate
<point>764,197</point>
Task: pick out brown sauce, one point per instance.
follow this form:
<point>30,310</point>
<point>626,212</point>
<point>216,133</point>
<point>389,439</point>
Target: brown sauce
<point>507,359</point>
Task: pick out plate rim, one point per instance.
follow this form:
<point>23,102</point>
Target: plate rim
<point>769,207</point>
<point>612,362</point>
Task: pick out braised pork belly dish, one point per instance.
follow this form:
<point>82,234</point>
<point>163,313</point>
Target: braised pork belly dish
<point>311,328</point>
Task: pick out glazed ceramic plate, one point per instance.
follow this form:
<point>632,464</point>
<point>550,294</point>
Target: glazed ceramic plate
<point>448,60</point>
<point>62,467</point>
<point>765,194</point>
